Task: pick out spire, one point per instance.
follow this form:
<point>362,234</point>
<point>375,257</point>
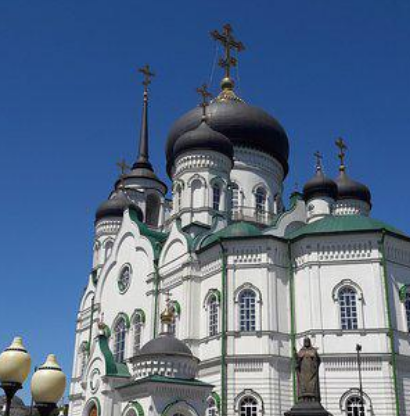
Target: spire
<point>319,158</point>
<point>229,43</point>
<point>143,153</point>
<point>342,154</point>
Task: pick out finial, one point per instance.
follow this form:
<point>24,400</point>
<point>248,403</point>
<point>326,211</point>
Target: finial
<point>205,94</point>
<point>342,147</point>
<point>319,158</point>
<point>146,71</point>
<point>122,164</point>
<point>167,316</point>
<point>228,42</point>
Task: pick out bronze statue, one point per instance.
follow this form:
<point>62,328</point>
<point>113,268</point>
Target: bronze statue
<point>307,362</point>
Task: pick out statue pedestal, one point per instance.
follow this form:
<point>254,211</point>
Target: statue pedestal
<point>308,409</point>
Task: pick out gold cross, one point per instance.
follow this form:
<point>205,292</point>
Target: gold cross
<point>228,42</point>
<point>146,71</point>
<point>342,147</point>
<point>205,94</point>
<point>319,158</point>
<point>123,168</point>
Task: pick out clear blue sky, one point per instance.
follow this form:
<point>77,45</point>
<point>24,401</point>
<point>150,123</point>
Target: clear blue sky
<point>70,102</point>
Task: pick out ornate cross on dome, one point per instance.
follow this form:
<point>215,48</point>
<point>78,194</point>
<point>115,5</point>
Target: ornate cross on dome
<point>146,71</point>
<point>122,164</point>
<point>342,154</point>
<point>205,94</point>
<point>319,158</point>
<point>229,43</point>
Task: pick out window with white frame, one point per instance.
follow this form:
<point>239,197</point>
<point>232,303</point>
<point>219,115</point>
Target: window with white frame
<point>248,406</point>
<point>108,248</point>
<point>355,406</point>
<point>216,197</point>
<point>82,358</point>
<point>407,307</point>
<point>235,197</point>
<point>347,298</point>
<point>247,310</point>
<point>212,409</point>
<point>213,315</point>
<point>260,201</point>
<point>178,191</point>
<point>120,331</point>
<point>137,324</point>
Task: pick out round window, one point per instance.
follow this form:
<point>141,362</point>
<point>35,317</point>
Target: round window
<point>124,279</point>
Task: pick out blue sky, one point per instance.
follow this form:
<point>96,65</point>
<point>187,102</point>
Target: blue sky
<point>70,102</point>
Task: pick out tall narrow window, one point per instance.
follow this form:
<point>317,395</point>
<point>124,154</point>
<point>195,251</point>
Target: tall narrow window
<point>216,197</point>
<point>355,406</point>
<point>347,297</point>
<point>407,306</point>
<point>248,407</point>
<point>213,309</point>
<point>179,197</point>
<point>108,248</point>
<point>137,332</point>
<point>235,198</point>
<point>260,201</point>
<point>153,205</point>
<point>120,330</point>
<point>82,358</point>
<point>247,310</point>
<point>212,409</point>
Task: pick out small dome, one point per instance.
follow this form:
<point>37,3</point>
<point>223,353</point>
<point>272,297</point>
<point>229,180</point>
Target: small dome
<point>242,124</point>
<point>115,207</point>
<point>319,185</point>
<point>347,188</point>
<point>203,138</point>
<point>165,345</point>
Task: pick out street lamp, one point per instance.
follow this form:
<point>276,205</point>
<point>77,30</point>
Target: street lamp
<point>15,364</point>
<point>47,386</point>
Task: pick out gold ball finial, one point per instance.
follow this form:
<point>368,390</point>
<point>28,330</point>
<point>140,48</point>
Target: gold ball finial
<point>168,315</point>
<point>227,84</point>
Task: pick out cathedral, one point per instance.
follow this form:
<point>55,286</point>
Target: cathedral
<point>199,295</point>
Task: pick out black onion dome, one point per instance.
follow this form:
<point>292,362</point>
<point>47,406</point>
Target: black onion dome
<point>203,138</point>
<point>165,345</point>
<point>115,207</point>
<point>347,188</point>
<point>319,185</point>
<point>242,124</point>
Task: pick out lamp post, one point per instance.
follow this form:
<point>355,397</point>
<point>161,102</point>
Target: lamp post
<point>15,364</point>
<point>47,386</point>
<point>359,367</point>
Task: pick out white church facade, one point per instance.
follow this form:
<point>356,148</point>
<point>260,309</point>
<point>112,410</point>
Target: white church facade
<point>248,278</point>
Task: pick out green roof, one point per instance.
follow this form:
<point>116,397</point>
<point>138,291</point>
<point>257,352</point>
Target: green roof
<point>163,379</point>
<point>235,230</point>
<point>112,368</point>
<point>343,224</point>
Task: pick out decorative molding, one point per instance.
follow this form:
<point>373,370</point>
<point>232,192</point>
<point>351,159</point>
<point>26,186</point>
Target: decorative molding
<point>349,283</point>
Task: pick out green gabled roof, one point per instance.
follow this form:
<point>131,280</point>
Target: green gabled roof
<point>112,368</point>
<point>343,224</point>
<point>156,238</point>
<point>235,230</point>
<point>163,379</point>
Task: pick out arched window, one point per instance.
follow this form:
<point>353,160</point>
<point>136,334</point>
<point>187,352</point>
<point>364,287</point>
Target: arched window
<point>178,191</point>
<point>235,197</point>
<point>355,406</point>
<point>108,248</point>
<point>212,408</point>
<point>260,201</point>
<point>93,411</point>
<point>216,197</point>
<point>120,331</point>
<point>213,315</point>
<point>407,306</point>
<point>82,359</point>
<point>247,310</point>
<point>137,333</point>
<point>152,210</point>
<point>347,298</point>
<point>248,406</point>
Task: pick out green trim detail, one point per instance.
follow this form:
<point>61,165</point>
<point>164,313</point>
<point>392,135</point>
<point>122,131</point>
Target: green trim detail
<point>403,292</point>
<point>126,318</point>
<point>389,322</point>
<point>112,368</point>
<point>90,334</point>
<point>188,238</point>
<point>292,320</point>
<point>215,292</point>
<point>177,307</point>
<point>217,399</point>
<point>156,295</point>
<point>141,313</point>
<point>96,402</point>
<point>136,405</point>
